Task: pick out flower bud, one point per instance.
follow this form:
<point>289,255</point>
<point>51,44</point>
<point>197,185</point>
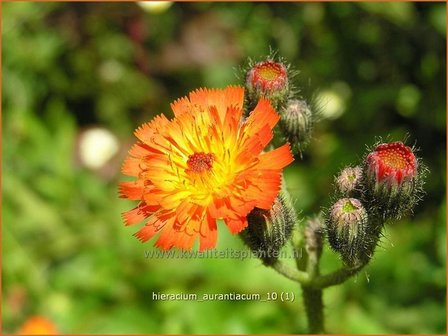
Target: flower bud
<point>267,79</point>
<point>347,225</point>
<point>269,230</point>
<point>392,179</point>
<point>349,180</point>
<point>296,123</point>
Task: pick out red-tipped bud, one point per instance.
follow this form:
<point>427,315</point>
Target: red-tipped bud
<point>268,79</point>
<point>392,164</point>
<point>393,179</point>
<point>268,76</point>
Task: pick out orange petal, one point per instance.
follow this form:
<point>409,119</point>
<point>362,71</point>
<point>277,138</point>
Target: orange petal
<point>167,232</point>
<point>138,151</point>
<point>221,99</point>
<point>181,106</point>
<point>132,166</point>
<point>231,122</point>
<point>209,234</point>
<point>132,190</point>
<point>254,144</point>
<point>218,208</point>
<point>215,117</point>
<point>170,237</point>
<point>263,114</point>
<point>276,159</point>
<point>153,226</point>
<point>173,199</point>
<point>138,214</point>
<point>234,96</point>
<point>185,211</point>
<point>153,196</point>
<point>201,98</point>
<point>264,188</point>
<point>146,131</point>
<point>241,206</point>
<point>236,225</point>
<point>187,236</point>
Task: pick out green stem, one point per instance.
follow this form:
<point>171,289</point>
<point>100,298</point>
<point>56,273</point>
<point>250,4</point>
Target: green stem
<point>335,278</point>
<point>314,308</point>
<point>308,275</point>
<point>313,284</point>
<point>313,297</point>
<point>290,273</point>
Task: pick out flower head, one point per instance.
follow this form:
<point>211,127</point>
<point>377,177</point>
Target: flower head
<point>268,79</point>
<point>201,166</point>
<point>268,76</point>
<point>392,163</point>
<point>38,325</point>
<point>393,179</point>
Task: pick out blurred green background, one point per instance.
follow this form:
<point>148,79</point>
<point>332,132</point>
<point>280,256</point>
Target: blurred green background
<point>378,70</point>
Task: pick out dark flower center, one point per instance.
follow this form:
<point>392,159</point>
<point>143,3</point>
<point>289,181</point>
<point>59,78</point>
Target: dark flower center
<point>200,162</point>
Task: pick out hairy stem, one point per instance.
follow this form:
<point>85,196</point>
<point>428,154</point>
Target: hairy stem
<point>309,244</point>
<point>314,308</point>
<point>312,297</point>
<point>335,278</point>
<point>290,273</point>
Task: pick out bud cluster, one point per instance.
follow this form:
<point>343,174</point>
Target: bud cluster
<point>272,79</point>
<point>269,230</point>
<point>386,186</point>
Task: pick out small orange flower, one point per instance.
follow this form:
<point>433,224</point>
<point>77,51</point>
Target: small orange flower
<point>203,165</point>
<point>38,325</point>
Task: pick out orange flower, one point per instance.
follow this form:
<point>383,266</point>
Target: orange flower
<point>203,165</point>
<point>38,325</point>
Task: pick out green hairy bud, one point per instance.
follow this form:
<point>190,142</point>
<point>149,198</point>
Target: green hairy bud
<point>269,230</point>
